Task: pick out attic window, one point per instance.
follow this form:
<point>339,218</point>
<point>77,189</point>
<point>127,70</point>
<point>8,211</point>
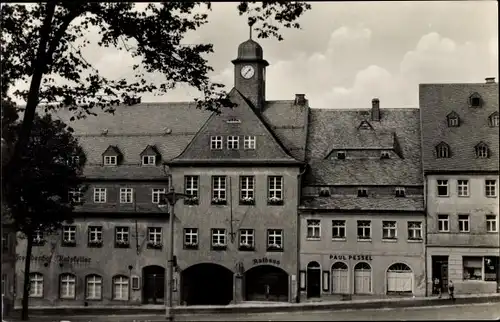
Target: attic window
<point>482,150</point>
<point>233,121</point>
<point>475,100</point>
<point>216,142</point>
<point>149,160</point>
<point>362,192</point>
<point>365,126</point>
<point>453,120</point>
<point>493,119</point>
<point>110,160</point>
<point>385,155</point>
<point>341,155</point>
<point>442,150</point>
<point>400,192</point>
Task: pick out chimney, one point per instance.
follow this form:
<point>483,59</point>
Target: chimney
<point>490,80</point>
<point>300,99</point>
<point>375,109</point>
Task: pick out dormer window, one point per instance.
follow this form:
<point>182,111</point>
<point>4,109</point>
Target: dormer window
<point>442,150</point>
<point>149,160</point>
<point>453,120</point>
<point>400,192</point>
<point>475,100</point>
<point>362,192</point>
<point>341,155</point>
<point>111,156</point>
<point>216,142</point>
<point>233,142</point>
<point>385,155</point>
<point>365,125</point>
<point>150,155</point>
<point>493,119</point>
<point>482,150</point>
<point>110,160</point>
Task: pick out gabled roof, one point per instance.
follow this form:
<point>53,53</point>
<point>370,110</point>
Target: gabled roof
<point>340,203</point>
<point>112,150</point>
<point>365,125</point>
<point>149,150</point>
<point>452,114</point>
<point>437,101</point>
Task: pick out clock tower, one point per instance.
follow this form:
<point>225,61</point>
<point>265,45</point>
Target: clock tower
<point>250,73</point>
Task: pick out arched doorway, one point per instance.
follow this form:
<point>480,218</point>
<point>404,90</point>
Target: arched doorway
<point>153,290</point>
<point>399,279</point>
<point>362,278</point>
<point>340,278</point>
<point>313,279</point>
<point>258,278</point>
<point>207,284</point>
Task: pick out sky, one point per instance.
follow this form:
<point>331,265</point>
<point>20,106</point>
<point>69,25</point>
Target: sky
<point>348,52</point>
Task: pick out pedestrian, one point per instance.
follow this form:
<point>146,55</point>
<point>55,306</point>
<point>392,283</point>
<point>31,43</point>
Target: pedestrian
<point>437,287</point>
<point>451,289</point>
<point>267,290</point>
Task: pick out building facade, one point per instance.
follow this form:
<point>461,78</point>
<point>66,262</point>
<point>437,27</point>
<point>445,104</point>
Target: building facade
<point>460,159</point>
<point>362,219</point>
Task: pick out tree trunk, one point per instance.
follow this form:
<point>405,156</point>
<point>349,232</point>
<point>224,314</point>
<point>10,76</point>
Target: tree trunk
<point>26,285</point>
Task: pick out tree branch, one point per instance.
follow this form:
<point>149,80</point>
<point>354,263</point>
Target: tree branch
<point>56,40</point>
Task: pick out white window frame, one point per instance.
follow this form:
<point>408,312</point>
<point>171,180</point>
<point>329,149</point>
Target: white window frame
<point>122,284</point>
<point>313,229</point>
<point>38,235</point>
<point>275,237</point>
<point>415,230</point>
<point>69,234</point>
<point>218,237</point>
<point>122,234</point>
<point>463,223</point>
<point>389,229</point>
<point>126,195</point>
<point>364,225</point>
<point>155,194</point>
<point>492,223</point>
<point>482,151</point>
<point>100,195</point>
<point>149,160</point>
<point>339,226</point>
<point>233,142</point>
<point>219,186</point>
<point>190,236</point>
<point>110,160</point>
<point>443,183</point>
<point>490,188</point>
<point>453,121</point>
<point>95,233</point>
<point>443,223</point>
<point>443,151</point>
<point>247,237</point>
<point>275,187</point>
<point>36,285</point>
<point>75,195</point>
<point>247,187</point>
<point>400,192</point>
<point>191,184</point>
<point>463,188</point>
<point>216,142</point>
<point>494,120</point>
<point>93,287</point>
<point>249,142</point>
<point>362,192</point>
<point>67,289</point>
<point>155,235</point>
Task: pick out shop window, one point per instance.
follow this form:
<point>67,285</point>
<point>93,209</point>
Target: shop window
<point>480,268</point>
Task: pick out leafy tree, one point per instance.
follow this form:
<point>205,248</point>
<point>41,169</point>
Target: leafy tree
<point>37,197</point>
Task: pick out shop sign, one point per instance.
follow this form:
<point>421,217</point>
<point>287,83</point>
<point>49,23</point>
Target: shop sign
<point>265,260</point>
<point>56,258</point>
<point>351,257</point>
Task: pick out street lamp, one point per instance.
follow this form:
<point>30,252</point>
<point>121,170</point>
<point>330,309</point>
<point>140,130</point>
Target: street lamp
<point>170,199</point>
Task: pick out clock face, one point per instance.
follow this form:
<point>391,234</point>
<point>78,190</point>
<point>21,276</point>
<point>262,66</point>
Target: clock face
<point>247,71</point>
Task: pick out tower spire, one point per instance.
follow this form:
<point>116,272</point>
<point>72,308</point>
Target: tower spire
<point>250,31</point>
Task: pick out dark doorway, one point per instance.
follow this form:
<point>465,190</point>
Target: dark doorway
<point>266,283</point>
<point>153,291</point>
<point>440,271</point>
<point>207,284</point>
<point>313,280</point>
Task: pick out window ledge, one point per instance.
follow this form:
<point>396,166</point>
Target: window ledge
<point>443,196</point>
<point>415,240</point>
<point>314,238</point>
<point>368,240</point>
<point>389,240</point>
<point>339,239</point>
<point>463,196</point>
<point>275,250</point>
<point>443,232</point>
<point>490,196</point>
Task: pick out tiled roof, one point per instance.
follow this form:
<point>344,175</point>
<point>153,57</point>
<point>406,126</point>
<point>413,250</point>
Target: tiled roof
<point>130,172</point>
<point>362,204</point>
<point>436,102</point>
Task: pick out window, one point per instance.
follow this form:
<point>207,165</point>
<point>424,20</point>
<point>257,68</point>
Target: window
<point>219,238</point>
<point>110,160</point>
<point>414,230</point>
<point>75,195</point>
<point>442,150</point>
<point>482,150</point>
<point>218,190</point>
<point>36,285</point>
<point>275,190</point>
<point>95,236</point>
<point>216,142</point>
<point>341,155</point>
<point>443,223</point>
<point>463,223</point>
<point>100,195</point>
<point>247,239</point>
<point>93,289</point>
<point>475,100</point>
<point>463,188</point>
<point>442,188</point>
<point>67,286</point>
<point>400,192</point>
<point>122,237</point>
<point>126,195</point>
<point>38,239</point>
<point>154,238</point>
<point>490,188</point>
<point>313,229</point>
<point>149,160</point>
<point>156,192</point>
<point>338,229</point>
<point>493,119</point>
<point>453,121</point>
<point>69,235</point>
<point>249,142</point>
<point>389,230</point>
<point>480,268</point>
<point>247,184</point>
<point>191,189</point>
<point>491,223</point>
<point>233,142</point>
<point>362,192</point>
<point>275,240</point>
<point>191,238</point>
<point>385,155</point>
<point>120,288</point>
<point>364,229</point>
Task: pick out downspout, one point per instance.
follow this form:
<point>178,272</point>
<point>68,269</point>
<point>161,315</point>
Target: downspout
<point>425,239</point>
<point>299,192</point>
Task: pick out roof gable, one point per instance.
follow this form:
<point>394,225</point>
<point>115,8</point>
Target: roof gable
<point>112,150</point>
<point>365,125</point>
<point>452,114</point>
<point>149,150</point>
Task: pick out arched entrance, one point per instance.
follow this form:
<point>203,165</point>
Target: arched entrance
<point>153,281</point>
<point>313,279</point>
<point>340,278</point>
<point>362,278</point>
<point>207,284</point>
<point>399,279</point>
<point>258,278</point>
